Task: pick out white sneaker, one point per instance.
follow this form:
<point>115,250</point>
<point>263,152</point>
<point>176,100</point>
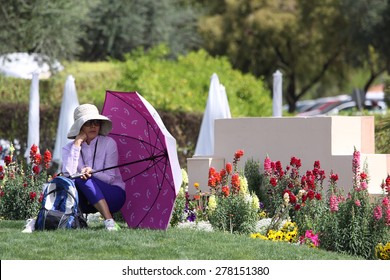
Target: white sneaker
<point>111,225</point>
<point>30,226</point>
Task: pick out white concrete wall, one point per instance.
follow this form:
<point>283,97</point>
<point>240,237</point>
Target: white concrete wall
<point>331,140</point>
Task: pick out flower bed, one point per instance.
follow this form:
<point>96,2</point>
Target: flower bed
<point>281,204</point>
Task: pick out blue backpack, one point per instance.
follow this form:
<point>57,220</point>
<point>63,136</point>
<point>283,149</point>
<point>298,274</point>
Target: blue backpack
<point>60,206</point>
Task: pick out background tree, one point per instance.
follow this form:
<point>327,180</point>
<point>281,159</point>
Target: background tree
<point>116,27</point>
<point>310,42</point>
<point>47,27</point>
<point>367,32</point>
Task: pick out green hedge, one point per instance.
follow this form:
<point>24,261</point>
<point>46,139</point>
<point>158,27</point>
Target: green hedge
<point>184,126</point>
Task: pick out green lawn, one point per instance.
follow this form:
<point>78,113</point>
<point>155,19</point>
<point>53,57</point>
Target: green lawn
<point>95,243</point>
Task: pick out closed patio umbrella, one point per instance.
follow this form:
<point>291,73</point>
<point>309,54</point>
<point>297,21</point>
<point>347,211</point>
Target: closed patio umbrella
<point>65,120</point>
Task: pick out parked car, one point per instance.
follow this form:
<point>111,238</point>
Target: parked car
<point>371,106</point>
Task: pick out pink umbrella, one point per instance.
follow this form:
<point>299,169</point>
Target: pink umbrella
<point>148,160</point>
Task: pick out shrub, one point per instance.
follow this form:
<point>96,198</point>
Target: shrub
<point>21,185</point>
<point>183,84</point>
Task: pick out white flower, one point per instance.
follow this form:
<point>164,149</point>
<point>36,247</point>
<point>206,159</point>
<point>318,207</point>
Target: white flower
<point>201,225</point>
<point>262,225</point>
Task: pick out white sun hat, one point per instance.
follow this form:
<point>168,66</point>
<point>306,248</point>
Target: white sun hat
<point>87,112</point>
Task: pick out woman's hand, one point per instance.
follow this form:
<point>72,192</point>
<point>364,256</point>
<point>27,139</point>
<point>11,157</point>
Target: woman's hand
<point>87,173</point>
<point>80,138</point>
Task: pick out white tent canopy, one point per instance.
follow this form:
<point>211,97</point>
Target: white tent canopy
<point>217,107</point>
<point>65,120</point>
<point>23,65</point>
<point>33,115</point>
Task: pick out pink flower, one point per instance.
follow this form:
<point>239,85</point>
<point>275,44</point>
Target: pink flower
<point>386,201</point>
<point>378,213</point>
<point>363,186</point>
<point>267,165</point>
<point>310,238</point>
<point>333,203</point>
<point>357,203</point>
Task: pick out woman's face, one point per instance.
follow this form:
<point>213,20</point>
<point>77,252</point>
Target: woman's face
<point>91,128</point>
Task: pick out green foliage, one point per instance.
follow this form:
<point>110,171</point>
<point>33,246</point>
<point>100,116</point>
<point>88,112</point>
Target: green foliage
<point>182,84</point>
<point>234,214</point>
<point>253,176</point>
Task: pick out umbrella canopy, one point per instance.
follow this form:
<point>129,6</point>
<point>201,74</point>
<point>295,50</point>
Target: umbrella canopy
<point>217,107</point>
<point>148,159</point>
<point>33,115</point>
<point>65,120</point>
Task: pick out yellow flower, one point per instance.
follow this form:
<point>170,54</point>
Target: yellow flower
<point>255,202</point>
<point>243,185</point>
<point>212,204</point>
<point>263,215</point>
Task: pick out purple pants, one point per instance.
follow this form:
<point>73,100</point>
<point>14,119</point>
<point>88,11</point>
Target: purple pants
<point>92,190</point>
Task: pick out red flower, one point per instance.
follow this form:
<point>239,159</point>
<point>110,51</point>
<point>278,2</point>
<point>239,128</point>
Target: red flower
<point>1,168</point>
<point>236,182</point>
<point>363,176</point>
<point>229,168</point>
<point>238,154</point>
<point>212,171</point>
<point>273,181</point>
<point>36,169</point>
<point>47,158</point>
<point>222,173</point>
<point>33,195</point>
<point>334,177</point>
<point>212,182</point>
<point>33,150</point>
<point>388,181</point>
<point>317,164</point>
<point>7,160</point>
<point>295,162</point>
<point>37,158</point>
<point>293,198</point>
<point>225,191</point>
<point>318,196</point>
<point>2,193</point>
